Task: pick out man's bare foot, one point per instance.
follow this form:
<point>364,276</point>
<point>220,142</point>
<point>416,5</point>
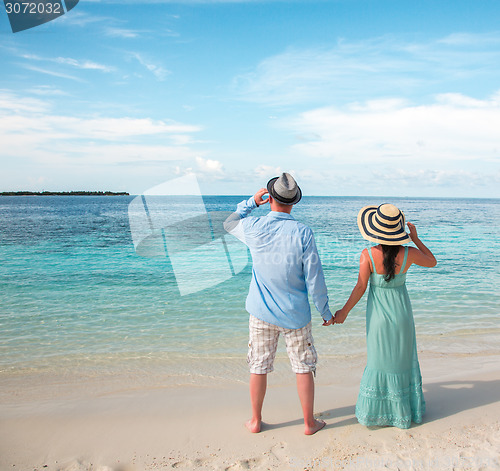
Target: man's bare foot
<point>253,425</point>
<point>318,425</point>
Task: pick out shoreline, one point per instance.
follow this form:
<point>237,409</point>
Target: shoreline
<point>131,422</point>
<point>477,342</point>
<point>91,378</point>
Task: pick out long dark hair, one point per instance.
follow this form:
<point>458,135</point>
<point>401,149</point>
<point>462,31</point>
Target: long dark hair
<point>390,253</point>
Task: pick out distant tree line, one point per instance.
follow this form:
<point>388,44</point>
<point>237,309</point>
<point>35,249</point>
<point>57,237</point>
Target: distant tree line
<point>63,193</point>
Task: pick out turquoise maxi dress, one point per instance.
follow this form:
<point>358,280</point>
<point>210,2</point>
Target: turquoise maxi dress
<point>391,387</point>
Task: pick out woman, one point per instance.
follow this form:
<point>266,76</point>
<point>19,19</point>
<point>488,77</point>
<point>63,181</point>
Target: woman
<point>391,387</point>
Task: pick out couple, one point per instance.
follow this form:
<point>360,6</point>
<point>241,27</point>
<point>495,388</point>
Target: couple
<point>286,269</point>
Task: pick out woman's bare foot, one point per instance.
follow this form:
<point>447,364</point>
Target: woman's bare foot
<point>253,425</point>
<point>318,425</point>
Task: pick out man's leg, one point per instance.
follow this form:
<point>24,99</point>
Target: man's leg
<point>303,358</point>
<point>305,388</point>
<point>261,352</point>
<point>258,385</point>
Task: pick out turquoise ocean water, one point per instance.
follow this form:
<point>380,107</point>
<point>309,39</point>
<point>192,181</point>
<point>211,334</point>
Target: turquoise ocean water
<point>74,293</point>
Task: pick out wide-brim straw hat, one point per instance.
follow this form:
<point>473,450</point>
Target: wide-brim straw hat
<point>284,189</point>
<point>384,224</point>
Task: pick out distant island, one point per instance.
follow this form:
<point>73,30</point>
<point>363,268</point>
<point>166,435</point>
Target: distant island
<point>63,193</point>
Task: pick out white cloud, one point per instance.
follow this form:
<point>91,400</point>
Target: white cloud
<point>52,72</point>
<point>267,171</point>
<point>107,129</point>
<point>461,101</point>
<point>453,128</point>
<point>469,39</point>
<point>136,154</point>
<point>181,139</point>
<point>376,67</point>
<point>12,103</point>
<point>62,61</point>
<point>30,131</point>
<point>122,128</point>
<point>209,166</point>
<point>76,63</point>
<point>122,33</point>
<point>157,70</point>
<point>86,64</point>
<point>46,90</point>
<point>82,19</point>
<point>435,178</point>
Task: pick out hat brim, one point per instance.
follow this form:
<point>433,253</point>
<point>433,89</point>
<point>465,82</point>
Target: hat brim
<point>371,232</point>
<point>280,199</point>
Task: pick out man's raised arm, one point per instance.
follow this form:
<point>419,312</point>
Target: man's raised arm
<point>233,223</point>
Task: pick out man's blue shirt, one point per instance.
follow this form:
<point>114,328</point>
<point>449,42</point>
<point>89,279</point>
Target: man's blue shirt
<point>286,267</point>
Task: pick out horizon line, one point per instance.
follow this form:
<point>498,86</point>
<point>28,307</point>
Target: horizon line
<point>125,193</point>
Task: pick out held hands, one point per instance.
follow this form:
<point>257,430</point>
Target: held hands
<point>328,322</point>
<point>258,197</point>
<point>340,316</point>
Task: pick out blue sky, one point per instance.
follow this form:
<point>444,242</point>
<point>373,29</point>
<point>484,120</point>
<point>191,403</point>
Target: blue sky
<point>354,97</point>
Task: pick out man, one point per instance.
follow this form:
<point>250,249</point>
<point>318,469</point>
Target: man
<point>286,268</point>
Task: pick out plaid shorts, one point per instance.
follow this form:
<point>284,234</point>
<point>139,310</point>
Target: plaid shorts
<point>264,342</point>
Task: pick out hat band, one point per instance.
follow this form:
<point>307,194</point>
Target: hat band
<point>287,200</point>
<point>378,236</point>
<point>278,197</point>
<point>387,226</point>
<point>381,231</point>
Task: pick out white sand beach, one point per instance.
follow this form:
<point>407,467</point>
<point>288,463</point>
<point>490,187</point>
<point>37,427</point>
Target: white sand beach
<point>122,424</point>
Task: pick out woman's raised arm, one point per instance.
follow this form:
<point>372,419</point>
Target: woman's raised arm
<point>423,256</point>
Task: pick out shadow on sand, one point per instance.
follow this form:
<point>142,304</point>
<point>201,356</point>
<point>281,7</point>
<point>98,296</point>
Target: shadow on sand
<point>443,399</point>
<point>448,398</point>
<point>327,416</point>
